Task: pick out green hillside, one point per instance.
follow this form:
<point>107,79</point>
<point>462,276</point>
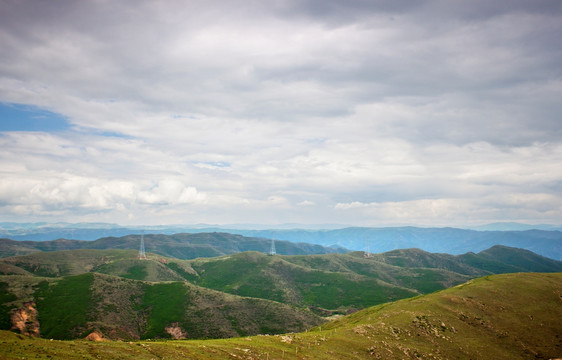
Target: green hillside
<point>503,259</point>
<point>64,263</point>
<point>119,308</point>
<point>511,316</point>
<point>277,278</point>
<point>344,282</point>
<point>331,283</point>
<point>123,263</point>
<point>15,248</point>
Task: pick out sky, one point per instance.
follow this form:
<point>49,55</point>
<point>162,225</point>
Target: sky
<point>367,113</point>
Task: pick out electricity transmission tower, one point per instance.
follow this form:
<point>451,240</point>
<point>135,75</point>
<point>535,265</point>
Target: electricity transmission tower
<point>367,253</point>
<point>272,250</point>
<point>142,254</point>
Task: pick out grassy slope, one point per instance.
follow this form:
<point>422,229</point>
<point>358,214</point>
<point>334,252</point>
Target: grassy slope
<point>422,278</point>
<point>64,307</point>
<point>70,262</point>
<point>122,263</point>
<point>516,259</point>
<point>512,316</point>
<point>15,248</point>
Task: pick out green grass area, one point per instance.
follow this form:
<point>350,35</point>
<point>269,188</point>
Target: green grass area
<point>64,306</point>
<point>425,280</point>
<point>334,290</point>
<point>136,272</point>
<point>241,274</point>
<point>487,264</point>
<point>322,281</point>
<point>164,304</point>
<point>175,267</point>
<point>5,298</point>
<point>128,269</point>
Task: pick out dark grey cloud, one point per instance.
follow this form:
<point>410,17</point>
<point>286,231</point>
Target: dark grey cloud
<point>338,13</point>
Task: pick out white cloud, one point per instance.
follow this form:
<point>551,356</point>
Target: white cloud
<point>283,112</point>
<point>457,211</point>
<point>170,191</point>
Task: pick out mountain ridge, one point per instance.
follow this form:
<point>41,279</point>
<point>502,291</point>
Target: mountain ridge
<point>181,245</point>
<point>546,241</point>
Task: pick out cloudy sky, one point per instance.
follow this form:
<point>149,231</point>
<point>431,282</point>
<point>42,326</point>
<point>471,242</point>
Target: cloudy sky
<point>436,112</point>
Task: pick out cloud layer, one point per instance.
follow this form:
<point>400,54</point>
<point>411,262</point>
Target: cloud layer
<point>369,113</point>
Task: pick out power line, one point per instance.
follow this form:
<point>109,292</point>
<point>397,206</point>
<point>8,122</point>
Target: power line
<point>142,253</point>
<point>272,250</point>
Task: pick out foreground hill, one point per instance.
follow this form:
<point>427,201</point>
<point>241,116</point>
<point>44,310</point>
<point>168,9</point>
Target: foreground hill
<point>512,316</point>
<point>181,246</point>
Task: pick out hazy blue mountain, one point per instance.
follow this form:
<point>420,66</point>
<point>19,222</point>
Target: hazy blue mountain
<point>514,226</point>
<point>436,240</point>
<point>446,240</point>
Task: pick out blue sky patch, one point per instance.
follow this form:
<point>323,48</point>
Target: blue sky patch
<point>19,117</point>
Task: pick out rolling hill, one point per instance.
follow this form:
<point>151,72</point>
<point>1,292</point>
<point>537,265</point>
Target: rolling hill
<point>324,285</point>
<point>346,282</point>
<point>510,316</point>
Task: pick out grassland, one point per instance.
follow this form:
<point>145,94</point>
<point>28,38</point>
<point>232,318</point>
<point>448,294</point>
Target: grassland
<point>64,306</point>
<point>511,316</point>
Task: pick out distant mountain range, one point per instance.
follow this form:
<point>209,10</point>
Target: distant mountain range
<point>438,240</point>
<point>30,226</point>
<point>514,226</point>
<point>546,241</point>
